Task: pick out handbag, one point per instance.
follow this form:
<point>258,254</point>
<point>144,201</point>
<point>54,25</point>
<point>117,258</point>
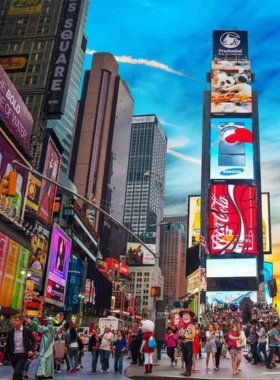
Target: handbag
<point>59,348</point>
<point>240,343</point>
<point>152,344</point>
<point>177,353</point>
<point>229,347</point>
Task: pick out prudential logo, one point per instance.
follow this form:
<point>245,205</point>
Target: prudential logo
<point>232,171</point>
<point>230,40</point>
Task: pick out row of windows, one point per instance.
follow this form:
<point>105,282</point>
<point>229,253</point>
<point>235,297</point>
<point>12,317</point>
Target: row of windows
<point>22,30</point>
<point>16,47</point>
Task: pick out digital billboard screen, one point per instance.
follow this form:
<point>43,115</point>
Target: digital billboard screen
<point>266,225</point>
<point>137,254</point>
<point>59,256</point>
<point>231,44</point>
<point>231,268</point>
<point>231,152</point>
<point>194,221</point>
<point>232,219</point>
<point>268,275</point>
<point>231,89</point>
<point>235,297</point>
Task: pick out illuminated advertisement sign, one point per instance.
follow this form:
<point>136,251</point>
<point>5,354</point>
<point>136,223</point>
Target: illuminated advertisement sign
<point>14,63</point>
<point>22,7</point>
<point>268,276</point>
<point>136,254</point>
<point>266,225</point>
<point>221,298</point>
<point>59,256</point>
<point>217,268</point>
<point>231,90</point>
<point>231,44</point>
<point>231,152</point>
<point>33,192</point>
<point>47,193</point>
<point>194,221</point>
<point>232,219</point>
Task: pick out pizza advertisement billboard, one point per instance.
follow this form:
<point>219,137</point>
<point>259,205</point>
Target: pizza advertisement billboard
<point>232,219</point>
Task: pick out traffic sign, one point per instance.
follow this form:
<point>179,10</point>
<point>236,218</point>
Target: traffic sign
<point>149,234</point>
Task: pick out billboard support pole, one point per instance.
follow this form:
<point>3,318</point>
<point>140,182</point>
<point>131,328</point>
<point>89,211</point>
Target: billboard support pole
<point>15,162</point>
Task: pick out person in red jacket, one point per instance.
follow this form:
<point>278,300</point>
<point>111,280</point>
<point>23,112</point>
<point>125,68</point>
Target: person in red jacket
<point>147,328</point>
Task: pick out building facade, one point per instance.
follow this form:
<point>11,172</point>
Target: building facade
<point>28,37</point>
<point>101,147</point>
<point>148,147</point>
<point>173,261</point>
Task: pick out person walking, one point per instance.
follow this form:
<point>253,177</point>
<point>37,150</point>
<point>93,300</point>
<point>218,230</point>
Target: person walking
<point>20,345</point>
<point>171,340</point>
<point>120,347</point>
<point>135,343</point>
<point>93,347</point>
<point>233,337</point>
<point>73,348</point>
<point>274,344</point>
<point>254,341</point>
<point>210,347</point>
<point>106,347</point>
<point>219,341</point>
<point>196,346</point>
<point>261,349</point>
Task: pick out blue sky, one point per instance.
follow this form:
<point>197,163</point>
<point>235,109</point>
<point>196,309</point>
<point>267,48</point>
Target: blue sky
<point>178,34</point>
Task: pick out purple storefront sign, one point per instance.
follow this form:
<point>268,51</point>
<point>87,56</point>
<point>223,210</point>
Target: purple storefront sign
<point>13,111</point>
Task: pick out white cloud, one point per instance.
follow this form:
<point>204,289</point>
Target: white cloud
<point>184,157</point>
<point>163,122</point>
<point>151,63</point>
<point>178,142</point>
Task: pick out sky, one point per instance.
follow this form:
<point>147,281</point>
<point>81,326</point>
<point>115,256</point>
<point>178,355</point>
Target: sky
<point>164,50</point>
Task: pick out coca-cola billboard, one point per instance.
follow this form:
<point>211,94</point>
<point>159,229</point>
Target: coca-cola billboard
<point>232,219</point>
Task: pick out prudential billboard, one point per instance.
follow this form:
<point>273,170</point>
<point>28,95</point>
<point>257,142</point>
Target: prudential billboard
<point>231,152</point>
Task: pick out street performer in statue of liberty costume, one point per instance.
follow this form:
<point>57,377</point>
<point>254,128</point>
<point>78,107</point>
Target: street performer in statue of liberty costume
<point>45,367</point>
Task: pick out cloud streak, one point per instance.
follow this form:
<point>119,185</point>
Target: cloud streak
<point>184,157</point>
<point>150,63</point>
<point>178,142</point>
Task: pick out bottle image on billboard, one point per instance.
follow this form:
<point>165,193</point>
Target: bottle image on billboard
<point>7,289</point>
<point>20,279</point>
<point>196,223</point>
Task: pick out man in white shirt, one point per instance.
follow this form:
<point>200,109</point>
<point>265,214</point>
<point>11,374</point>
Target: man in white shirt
<point>106,348</point>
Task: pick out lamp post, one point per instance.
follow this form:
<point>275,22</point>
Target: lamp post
<point>158,224</point>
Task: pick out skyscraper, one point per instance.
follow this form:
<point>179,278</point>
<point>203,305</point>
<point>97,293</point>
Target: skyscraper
<point>29,37</point>
<point>101,147</point>
<point>148,147</point>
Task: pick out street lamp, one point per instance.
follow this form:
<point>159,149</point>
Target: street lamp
<point>150,173</point>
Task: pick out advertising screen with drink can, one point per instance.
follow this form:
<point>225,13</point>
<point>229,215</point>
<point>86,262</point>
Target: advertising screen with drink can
<point>266,225</point>
<point>194,220</point>
<point>232,219</point>
<point>231,152</point>
<point>59,256</point>
<point>231,90</point>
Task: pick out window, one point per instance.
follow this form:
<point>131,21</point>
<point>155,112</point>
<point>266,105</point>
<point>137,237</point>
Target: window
<point>22,20</point>
<point>2,22</point>
<point>42,29</point>
<point>36,56</point>
<point>28,99</point>
<point>19,31</point>
<point>34,68</point>
<point>4,12</point>
<point>31,80</point>
<point>47,9</point>
<point>39,45</point>
<point>45,19</point>
<point>14,47</point>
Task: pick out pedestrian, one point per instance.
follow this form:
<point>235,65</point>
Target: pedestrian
<point>274,344</point>
<point>120,347</point>
<point>242,345</point>
<point>171,340</point>
<point>210,347</point>
<point>129,339</point>
<point>262,344</point>
<point>73,348</point>
<point>233,337</point>
<point>196,346</point>
<point>188,334</point>
<point>219,341</point>
<point>93,347</point>
<point>254,341</point>
<point>20,345</point>
<point>106,348</point>
<point>148,344</point>
<point>135,342</point>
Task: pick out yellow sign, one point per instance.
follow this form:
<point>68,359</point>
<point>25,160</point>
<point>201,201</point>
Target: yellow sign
<point>22,7</point>
<point>14,63</point>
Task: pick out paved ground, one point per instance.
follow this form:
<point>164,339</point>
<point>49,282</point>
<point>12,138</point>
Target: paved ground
<point>165,371</point>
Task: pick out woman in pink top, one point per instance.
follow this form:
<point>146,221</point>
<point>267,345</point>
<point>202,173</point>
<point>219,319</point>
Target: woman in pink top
<point>171,340</point>
<point>233,337</point>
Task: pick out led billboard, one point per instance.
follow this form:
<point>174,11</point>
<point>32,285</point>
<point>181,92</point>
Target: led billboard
<point>231,90</point>
<point>268,275</point>
<point>231,268</point>
<point>266,225</point>
<point>232,219</point>
<point>220,298</point>
<point>231,44</point>
<point>137,255</point>
<point>231,152</point>
<point>59,256</point>
<point>194,220</point>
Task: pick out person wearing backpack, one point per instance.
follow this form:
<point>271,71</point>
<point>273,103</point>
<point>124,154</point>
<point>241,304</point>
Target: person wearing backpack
<point>148,344</point>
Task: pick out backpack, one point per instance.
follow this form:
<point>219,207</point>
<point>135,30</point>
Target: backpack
<point>152,344</point>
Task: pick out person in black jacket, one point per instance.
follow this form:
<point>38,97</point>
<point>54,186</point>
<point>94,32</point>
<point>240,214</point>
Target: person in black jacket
<point>20,345</point>
<point>93,347</point>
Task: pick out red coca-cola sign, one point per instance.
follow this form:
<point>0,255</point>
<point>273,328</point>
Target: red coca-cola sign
<point>176,320</point>
<point>232,219</point>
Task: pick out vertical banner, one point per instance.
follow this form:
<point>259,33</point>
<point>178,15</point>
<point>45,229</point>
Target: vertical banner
<point>266,223</point>
<point>194,216</point>
<point>20,279</point>
<point>4,244</point>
